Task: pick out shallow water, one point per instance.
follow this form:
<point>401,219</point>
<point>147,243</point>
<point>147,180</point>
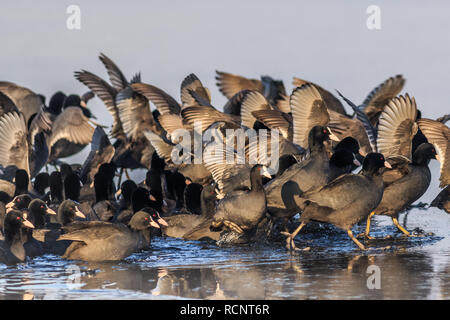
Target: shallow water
<point>334,268</point>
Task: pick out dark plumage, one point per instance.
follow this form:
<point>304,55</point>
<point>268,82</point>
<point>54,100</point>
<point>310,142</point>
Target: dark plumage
<point>71,129</point>
<point>68,211</point>
<point>193,226</point>
<point>442,201</point>
<point>404,184</point>
<point>20,202</point>
<point>344,201</point>
<point>232,214</point>
<point>104,241</point>
<point>192,198</point>
<point>56,187</point>
<point>41,182</point>
<point>21,180</point>
<point>72,187</point>
<point>126,206</point>
<point>12,248</point>
<point>35,239</point>
<point>305,175</point>
<point>37,213</point>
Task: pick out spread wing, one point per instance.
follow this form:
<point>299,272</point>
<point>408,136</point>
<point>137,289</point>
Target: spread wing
<point>438,134</point>
<point>230,84</point>
<point>162,148</point>
<point>275,120</point>
<point>223,163</point>
<point>252,101</point>
<point>379,97</point>
<point>193,83</point>
<point>73,126</point>
<point>107,94</point>
<point>101,152</point>
<point>6,104</point>
<point>118,80</point>
<point>308,111</point>
<point>343,126</point>
<point>162,101</point>
<point>283,104</point>
<point>233,105</point>
<point>397,127</point>
<point>40,123</point>
<point>171,122</point>
<point>13,141</point>
<point>25,100</point>
<point>330,100</point>
<point>371,132</point>
<point>134,112</point>
<point>206,116</point>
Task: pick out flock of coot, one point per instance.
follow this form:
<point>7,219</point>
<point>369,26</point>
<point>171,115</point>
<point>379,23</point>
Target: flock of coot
<point>331,166</point>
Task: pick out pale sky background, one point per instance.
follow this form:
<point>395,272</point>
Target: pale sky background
<point>326,42</point>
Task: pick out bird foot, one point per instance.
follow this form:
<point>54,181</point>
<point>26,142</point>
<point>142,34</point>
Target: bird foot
<point>233,226</point>
<point>290,244</point>
<point>364,235</point>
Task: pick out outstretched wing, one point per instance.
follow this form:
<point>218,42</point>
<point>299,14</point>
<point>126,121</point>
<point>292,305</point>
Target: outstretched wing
<point>162,101</point>
<point>107,94</point>
<point>134,112</point>
<point>361,116</point>
<point>230,84</point>
<point>73,126</point>
<point>101,152</point>
<point>223,162</point>
<point>252,101</point>
<point>397,127</point>
<point>330,100</point>
<point>118,80</point>
<point>192,82</point>
<point>25,100</point>
<point>308,111</point>
<point>13,141</point>
<point>162,148</point>
<point>379,97</point>
<point>438,134</point>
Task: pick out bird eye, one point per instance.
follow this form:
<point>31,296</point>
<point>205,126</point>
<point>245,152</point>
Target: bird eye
<point>18,218</point>
<point>42,207</point>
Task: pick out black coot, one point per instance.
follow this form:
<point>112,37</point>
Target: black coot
<point>104,241</point>
<point>231,212</point>
<point>404,184</point>
<point>12,248</point>
<point>193,226</point>
<point>344,201</point>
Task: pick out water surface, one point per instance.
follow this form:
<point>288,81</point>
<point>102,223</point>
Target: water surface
<point>334,268</point>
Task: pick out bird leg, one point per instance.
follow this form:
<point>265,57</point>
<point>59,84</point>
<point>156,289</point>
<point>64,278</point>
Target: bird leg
<point>290,245</point>
<point>120,178</point>
<point>397,224</point>
<point>126,174</point>
<point>366,233</point>
<point>215,226</point>
<point>233,226</point>
<point>359,244</point>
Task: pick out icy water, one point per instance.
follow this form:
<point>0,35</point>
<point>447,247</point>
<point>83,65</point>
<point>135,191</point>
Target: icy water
<point>334,268</point>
